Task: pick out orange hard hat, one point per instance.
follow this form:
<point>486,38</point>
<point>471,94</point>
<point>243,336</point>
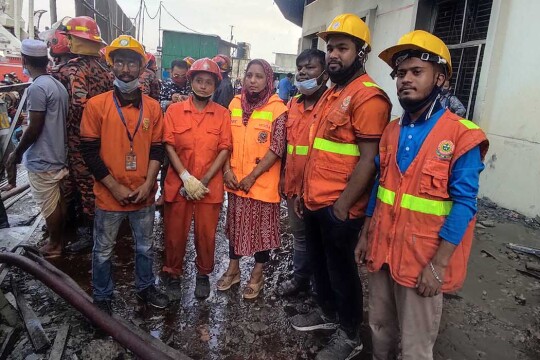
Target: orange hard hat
<point>84,27</point>
<point>189,60</point>
<point>223,61</point>
<point>204,65</point>
<point>59,44</point>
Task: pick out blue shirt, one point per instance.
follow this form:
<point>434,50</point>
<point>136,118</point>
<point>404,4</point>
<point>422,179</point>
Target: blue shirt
<point>462,185</point>
<point>48,152</point>
<point>284,88</point>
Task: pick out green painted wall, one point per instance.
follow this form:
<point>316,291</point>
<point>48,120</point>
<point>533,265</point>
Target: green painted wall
<point>178,45</point>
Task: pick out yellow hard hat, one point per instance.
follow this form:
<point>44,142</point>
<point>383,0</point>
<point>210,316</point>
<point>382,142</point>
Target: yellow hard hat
<point>347,24</point>
<point>125,42</point>
<point>421,41</point>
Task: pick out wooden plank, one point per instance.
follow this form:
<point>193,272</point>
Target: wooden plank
<point>4,269</point>
<point>60,343</point>
<point>37,335</point>
<point>7,312</point>
<point>9,343</point>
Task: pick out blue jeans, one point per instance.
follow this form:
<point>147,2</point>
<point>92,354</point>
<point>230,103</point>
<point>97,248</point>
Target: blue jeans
<point>301,264</point>
<point>106,224</point>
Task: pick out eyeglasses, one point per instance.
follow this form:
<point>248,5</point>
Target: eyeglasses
<point>179,76</point>
<point>132,65</point>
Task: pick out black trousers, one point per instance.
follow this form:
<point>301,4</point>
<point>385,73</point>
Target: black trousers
<point>261,257</point>
<point>330,244</point>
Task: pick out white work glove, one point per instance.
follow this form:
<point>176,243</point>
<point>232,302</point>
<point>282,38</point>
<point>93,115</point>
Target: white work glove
<point>194,188</point>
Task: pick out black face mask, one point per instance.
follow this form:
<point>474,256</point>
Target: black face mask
<point>343,75</point>
<point>201,98</point>
<point>412,106</point>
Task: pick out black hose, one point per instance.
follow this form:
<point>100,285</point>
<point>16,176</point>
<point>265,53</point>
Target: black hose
<point>118,331</point>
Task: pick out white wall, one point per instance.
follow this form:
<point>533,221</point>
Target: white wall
<point>388,20</point>
<point>507,106</point>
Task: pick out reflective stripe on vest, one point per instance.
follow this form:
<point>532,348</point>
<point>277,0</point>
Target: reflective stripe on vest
<point>469,124</point>
<point>257,115</point>
<point>370,84</point>
<point>300,149</point>
<point>335,147</point>
<point>415,203</point>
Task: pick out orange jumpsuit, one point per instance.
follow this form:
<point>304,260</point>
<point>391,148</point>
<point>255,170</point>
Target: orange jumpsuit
<point>198,138</point>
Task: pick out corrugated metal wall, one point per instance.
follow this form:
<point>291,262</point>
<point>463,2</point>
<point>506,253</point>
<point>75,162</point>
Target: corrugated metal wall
<point>111,19</point>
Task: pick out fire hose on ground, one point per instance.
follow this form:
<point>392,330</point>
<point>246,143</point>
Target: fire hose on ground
<point>56,281</point>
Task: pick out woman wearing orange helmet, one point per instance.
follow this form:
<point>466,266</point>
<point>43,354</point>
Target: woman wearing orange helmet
<point>197,138</point>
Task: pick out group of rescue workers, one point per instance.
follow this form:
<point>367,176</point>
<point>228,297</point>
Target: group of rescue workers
<point>399,196</point>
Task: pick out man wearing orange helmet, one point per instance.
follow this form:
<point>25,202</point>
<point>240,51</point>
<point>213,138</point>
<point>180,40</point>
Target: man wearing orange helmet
<point>225,92</point>
<point>421,216</point>
<point>84,77</point>
<point>121,133</point>
<point>350,119</point>
<point>197,138</point>
<point>148,80</point>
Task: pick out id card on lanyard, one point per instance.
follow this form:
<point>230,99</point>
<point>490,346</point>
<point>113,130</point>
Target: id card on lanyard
<point>131,157</point>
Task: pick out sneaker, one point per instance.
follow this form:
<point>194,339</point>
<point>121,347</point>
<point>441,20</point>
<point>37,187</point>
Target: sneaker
<point>293,287</point>
<point>341,347</point>
<point>152,296</point>
<point>104,305</point>
<point>173,286</point>
<point>202,287</point>
<point>315,320</point>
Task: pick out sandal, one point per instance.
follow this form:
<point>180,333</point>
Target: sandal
<point>251,291</point>
<point>228,280</point>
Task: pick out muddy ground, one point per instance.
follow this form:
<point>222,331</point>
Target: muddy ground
<point>495,316</point>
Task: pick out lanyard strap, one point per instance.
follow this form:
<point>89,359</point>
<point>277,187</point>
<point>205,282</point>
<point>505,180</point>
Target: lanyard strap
<point>130,137</point>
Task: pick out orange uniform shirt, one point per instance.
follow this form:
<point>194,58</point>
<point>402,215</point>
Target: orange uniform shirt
<point>299,122</point>
<point>198,137</point>
<point>361,110</point>
<point>100,120</point>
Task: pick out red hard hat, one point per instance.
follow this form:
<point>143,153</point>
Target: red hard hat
<point>59,44</point>
<point>84,27</point>
<point>224,62</point>
<point>151,61</point>
<point>204,65</point>
<point>189,60</point>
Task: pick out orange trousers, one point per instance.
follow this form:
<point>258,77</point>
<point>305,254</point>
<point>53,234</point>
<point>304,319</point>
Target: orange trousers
<point>177,222</point>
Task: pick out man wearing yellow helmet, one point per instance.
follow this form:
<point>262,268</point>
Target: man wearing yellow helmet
<point>121,133</point>
<point>420,220</point>
<point>350,119</point>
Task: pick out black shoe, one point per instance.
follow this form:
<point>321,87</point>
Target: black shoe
<point>152,296</point>
<point>104,305</point>
<point>173,286</point>
<point>202,287</point>
<point>293,287</point>
<point>81,246</point>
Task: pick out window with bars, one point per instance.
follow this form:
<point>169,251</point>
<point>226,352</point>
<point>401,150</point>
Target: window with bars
<point>463,26</point>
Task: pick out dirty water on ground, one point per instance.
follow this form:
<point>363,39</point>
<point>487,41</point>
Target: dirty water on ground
<point>487,319</point>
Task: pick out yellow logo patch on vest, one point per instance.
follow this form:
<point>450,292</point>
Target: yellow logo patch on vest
<point>146,124</point>
<point>445,150</point>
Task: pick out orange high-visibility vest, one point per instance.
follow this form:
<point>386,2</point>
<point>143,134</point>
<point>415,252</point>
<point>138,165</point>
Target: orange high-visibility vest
<point>250,145</point>
<point>334,151</point>
<point>299,121</point>
<point>413,206</point>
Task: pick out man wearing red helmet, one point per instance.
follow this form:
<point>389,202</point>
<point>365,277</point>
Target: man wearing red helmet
<point>59,50</point>
<point>84,77</point>
<point>225,92</point>
<point>148,80</point>
<point>198,140</point>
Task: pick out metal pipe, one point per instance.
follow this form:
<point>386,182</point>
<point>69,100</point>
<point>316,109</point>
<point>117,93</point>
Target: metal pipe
<point>52,6</point>
<point>31,32</point>
<point>112,327</point>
